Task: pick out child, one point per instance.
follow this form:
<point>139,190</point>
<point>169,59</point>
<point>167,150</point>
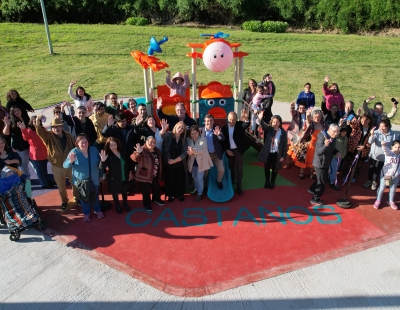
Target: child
<point>256,104</point>
<point>341,145</point>
<point>390,173</point>
<point>178,84</point>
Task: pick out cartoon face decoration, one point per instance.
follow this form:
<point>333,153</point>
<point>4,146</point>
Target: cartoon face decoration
<point>217,56</point>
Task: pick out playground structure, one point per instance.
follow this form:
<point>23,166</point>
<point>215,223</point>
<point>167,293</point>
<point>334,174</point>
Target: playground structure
<point>215,98</point>
<point>217,56</point>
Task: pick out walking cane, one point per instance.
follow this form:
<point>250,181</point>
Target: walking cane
<point>344,203</point>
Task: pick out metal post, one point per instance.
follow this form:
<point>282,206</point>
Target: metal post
<point>46,25</point>
<point>194,87</point>
<point>235,79</point>
<point>149,107</point>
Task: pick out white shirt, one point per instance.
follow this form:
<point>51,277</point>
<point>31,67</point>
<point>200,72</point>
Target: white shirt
<point>231,142</point>
<point>274,149</point>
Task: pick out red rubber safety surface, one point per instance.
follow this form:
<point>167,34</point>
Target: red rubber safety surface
<point>194,249</point>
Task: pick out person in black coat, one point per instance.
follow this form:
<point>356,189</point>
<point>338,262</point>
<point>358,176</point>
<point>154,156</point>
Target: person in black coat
<point>274,149</point>
<point>125,133</point>
<point>235,145</point>
<point>15,100</point>
<point>180,116</point>
<point>81,123</point>
<point>325,149</point>
<point>118,171</point>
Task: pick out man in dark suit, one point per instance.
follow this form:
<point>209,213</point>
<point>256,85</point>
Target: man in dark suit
<point>235,145</point>
<point>180,116</point>
<point>324,151</point>
<point>214,138</point>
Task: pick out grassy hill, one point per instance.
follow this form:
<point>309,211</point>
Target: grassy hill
<point>98,57</point>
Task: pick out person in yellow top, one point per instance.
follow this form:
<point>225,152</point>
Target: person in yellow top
<point>99,119</point>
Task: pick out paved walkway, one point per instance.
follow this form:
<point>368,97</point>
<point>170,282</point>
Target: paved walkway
<point>40,273</point>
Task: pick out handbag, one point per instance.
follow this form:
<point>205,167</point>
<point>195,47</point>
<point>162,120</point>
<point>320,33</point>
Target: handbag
<point>389,178</point>
<point>86,188</point>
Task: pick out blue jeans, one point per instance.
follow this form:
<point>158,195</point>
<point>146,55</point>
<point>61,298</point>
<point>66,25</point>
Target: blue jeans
<point>24,167</point>
<point>96,205</point>
<point>392,189</point>
<point>333,168</point>
<point>40,167</point>
<point>198,179</point>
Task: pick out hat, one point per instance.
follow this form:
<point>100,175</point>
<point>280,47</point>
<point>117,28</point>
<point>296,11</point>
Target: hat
<point>177,75</point>
<point>55,122</point>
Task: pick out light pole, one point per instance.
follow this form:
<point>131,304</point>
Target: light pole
<point>46,25</point>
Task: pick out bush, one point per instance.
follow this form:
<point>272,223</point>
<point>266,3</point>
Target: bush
<point>137,21</point>
<point>276,27</point>
<point>253,26</point>
<point>267,26</point>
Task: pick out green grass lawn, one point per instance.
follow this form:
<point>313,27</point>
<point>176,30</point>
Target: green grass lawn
<point>98,57</point>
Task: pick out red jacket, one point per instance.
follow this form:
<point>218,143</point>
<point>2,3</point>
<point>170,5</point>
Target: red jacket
<point>37,149</point>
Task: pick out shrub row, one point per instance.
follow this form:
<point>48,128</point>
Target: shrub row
<point>348,15</point>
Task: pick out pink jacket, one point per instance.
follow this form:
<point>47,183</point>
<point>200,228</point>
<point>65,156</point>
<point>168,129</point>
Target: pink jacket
<point>37,149</point>
<point>333,98</point>
<point>175,88</point>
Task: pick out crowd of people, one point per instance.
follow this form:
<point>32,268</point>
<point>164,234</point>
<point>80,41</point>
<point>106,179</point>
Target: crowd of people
<point>328,139</point>
<point>92,141</point>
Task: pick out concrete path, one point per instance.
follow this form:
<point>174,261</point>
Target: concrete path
<point>40,273</point>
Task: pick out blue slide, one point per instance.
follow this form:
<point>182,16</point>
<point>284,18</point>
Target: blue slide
<point>216,194</point>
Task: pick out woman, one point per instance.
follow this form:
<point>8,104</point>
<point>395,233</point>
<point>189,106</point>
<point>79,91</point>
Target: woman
<point>118,172</point>
<point>333,95</point>
<point>358,143</point>
<point>199,160</point>
<point>376,155</point>
<point>15,100</point>
<point>174,152</point>
<point>7,156</point>
<point>274,150</point>
<point>81,98</point>
<point>37,152</point>
<point>302,152</point>
<point>18,143</point>
<point>297,126</point>
<point>85,160</point>
<point>150,129</point>
<point>250,92</point>
<point>149,170</point>
<point>333,116</point>
<point>57,114</point>
<point>306,96</point>
<point>131,112</point>
<point>81,123</point>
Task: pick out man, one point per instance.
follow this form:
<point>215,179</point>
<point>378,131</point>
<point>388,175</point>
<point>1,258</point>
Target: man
<point>114,107</point>
<point>58,143</point>
<point>377,112</point>
<point>325,149</point>
<point>214,138</point>
<point>80,123</point>
<point>180,116</point>
<point>235,145</point>
<point>99,119</point>
<point>140,120</point>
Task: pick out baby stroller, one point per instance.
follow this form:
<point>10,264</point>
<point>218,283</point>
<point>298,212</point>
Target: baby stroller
<point>18,210</point>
